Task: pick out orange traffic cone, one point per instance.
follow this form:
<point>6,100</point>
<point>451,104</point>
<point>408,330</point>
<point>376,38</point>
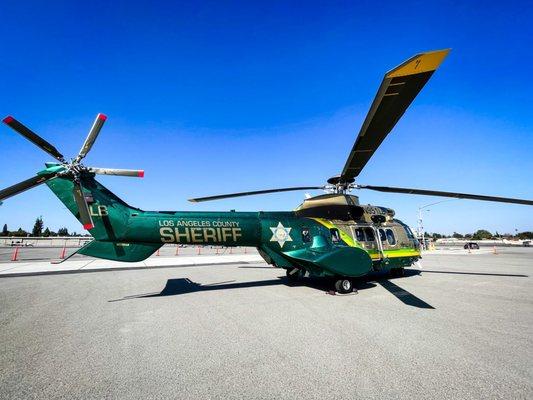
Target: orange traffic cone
<point>14,256</point>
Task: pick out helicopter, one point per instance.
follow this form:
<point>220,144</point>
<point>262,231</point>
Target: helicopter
<point>329,236</point>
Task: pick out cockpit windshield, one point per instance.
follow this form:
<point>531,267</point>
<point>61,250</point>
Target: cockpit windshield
<point>408,230</point>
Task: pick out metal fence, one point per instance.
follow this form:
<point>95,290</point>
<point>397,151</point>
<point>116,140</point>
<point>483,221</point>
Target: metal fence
<point>46,249</point>
<point>56,241</point>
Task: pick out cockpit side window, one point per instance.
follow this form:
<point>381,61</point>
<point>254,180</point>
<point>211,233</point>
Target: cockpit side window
<point>369,232</point>
<point>359,235</point>
<point>335,235</point>
<point>382,235</point>
<point>390,237</point>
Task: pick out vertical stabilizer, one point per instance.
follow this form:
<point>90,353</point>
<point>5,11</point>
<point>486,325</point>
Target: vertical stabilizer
<point>109,213</point>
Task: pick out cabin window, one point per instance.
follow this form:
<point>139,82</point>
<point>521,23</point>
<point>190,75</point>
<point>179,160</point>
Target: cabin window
<point>306,236</point>
<point>335,235</point>
<point>390,237</point>
<point>359,235</point>
<point>369,232</point>
<point>382,235</point>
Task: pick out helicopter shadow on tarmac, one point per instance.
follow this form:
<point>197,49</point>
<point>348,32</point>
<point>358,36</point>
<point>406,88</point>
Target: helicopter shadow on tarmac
<point>181,286</point>
<point>401,294</point>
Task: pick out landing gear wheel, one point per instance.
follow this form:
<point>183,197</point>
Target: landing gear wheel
<point>344,285</point>
<point>293,274</point>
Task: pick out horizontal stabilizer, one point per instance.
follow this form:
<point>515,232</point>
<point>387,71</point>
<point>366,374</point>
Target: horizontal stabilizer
<point>128,252</point>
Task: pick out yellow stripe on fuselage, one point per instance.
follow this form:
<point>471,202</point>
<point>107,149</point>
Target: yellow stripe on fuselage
<point>396,253</point>
<point>344,236</point>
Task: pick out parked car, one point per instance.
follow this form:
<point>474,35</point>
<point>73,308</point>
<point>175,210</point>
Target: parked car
<point>471,245</point>
<point>18,243</point>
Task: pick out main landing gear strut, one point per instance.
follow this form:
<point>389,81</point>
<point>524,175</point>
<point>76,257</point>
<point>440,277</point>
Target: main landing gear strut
<point>293,274</point>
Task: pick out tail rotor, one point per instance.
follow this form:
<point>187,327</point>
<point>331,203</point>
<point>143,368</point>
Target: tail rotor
<point>73,170</point>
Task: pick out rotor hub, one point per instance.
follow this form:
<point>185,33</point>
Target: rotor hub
<point>339,184</point>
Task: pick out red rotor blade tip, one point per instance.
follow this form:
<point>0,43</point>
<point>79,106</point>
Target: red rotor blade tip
<point>88,226</point>
<point>141,174</point>
<point>8,119</point>
<point>102,117</point>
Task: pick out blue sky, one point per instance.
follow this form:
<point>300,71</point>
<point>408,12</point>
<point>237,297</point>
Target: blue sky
<point>215,97</point>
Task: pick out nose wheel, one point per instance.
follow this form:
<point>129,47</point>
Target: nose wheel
<point>344,285</point>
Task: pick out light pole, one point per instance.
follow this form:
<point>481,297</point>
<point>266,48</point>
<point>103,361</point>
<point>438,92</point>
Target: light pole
<point>421,233</point>
<point>421,227</point>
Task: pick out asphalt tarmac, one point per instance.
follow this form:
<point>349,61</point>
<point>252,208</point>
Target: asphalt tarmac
<point>460,328</point>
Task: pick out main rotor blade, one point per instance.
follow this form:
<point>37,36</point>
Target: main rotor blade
<point>24,185</point>
<point>446,194</point>
<point>398,89</point>
<point>91,137</point>
<point>139,173</point>
<point>226,196</point>
<point>33,137</point>
<point>83,208</point>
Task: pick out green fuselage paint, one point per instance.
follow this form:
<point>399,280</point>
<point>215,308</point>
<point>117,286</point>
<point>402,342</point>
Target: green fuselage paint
<point>284,239</point>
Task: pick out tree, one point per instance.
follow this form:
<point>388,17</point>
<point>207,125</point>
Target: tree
<point>20,233</point>
<point>525,235</point>
<point>37,227</point>
<point>5,232</point>
<point>457,235</point>
<point>46,232</point>
<point>62,232</point>
<point>482,234</point>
